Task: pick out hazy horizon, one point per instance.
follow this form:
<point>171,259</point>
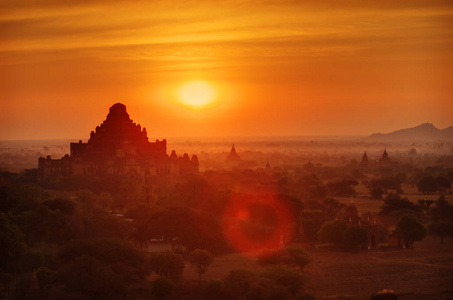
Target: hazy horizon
<point>151,137</point>
<point>210,138</point>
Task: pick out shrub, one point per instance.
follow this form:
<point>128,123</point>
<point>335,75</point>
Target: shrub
<point>163,287</point>
<point>46,277</point>
<point>411,229</point>
<point>332,232</point>
<point>300,257</point>
<point>214,289</point>
<point>167,264</point>
<point>274,257</point>
<point>239,281</point>
<point>355,238</point>
<point>279,293</point>
<point>377,193</point>
<point>427,185</point>
<point>286,277</point>
<point>201,260</point>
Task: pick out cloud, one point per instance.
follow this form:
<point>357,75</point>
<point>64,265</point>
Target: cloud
<point>98,24</point>
<point>160,36</point>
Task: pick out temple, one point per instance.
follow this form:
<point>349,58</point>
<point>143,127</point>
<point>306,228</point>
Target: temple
<point>365,161</point>
<point>385,159</point>
<point>233,157</point>
<point>352,218</point>
<point>118,146</point>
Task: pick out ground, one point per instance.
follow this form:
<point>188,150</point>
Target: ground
<point>423,273</point>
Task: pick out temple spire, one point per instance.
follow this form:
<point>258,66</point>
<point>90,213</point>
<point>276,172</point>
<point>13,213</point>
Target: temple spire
<point>233,157</point>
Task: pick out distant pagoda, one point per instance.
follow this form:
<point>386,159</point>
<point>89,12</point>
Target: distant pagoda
<point>385,159</point>
<point>118,146</point>
<point>233,157</point>
<point>365,161</point>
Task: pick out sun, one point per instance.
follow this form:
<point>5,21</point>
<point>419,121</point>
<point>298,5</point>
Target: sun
<point>196,93</point>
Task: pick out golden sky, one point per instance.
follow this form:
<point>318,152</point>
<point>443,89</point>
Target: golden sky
<point>277,67</point>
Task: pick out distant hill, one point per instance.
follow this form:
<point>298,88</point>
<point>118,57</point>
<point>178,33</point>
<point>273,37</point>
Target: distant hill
<point>423,132</point>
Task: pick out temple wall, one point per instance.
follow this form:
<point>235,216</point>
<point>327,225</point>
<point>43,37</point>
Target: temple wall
<point>48,167</point>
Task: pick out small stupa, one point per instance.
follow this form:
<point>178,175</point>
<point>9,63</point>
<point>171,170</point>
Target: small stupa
<point>233,157</point>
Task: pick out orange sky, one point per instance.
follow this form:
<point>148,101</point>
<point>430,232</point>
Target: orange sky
<point>278,67</point>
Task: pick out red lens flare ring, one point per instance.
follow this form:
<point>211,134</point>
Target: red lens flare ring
<point>240,212</point>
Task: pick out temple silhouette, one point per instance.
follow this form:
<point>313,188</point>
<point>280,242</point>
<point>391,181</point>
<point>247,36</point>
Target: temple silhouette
<point>118,146</point>
<point>385,159</point>
<point>233,157</point>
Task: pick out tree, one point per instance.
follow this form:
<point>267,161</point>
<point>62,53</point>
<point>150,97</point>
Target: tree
<point>195,229</point>
<point>44,224</point>
<point>377,192</point>
<point>86,196</point>
<point>201,260</point>
<point>163,287</point>
<point>441,228</point>
<point>342,188</point>
<point>45,276</point>
<point>12,248</point>
<point>278,292</point>
<point>393,203</point>
<point>167,264</point>
<point>140,212</point>
<point>292,256</point>
<point>442,210</point>
<point>441,219</point>
<point>15,257</point>
<point>388,183</point>
<point>214,289</point>
<point>92,221</point>
<point>273,257</point>
<point>331,207</point>
<point>332,232</point>
<point>411,229</point>
<point>450,174</point>
<point>311,221</point>
<point>64,205</point>
<point>299,256</point>
<point>19,198</point>
<point>100,268</point>
<point>355,238</point>
<point>427,184</point>
<point>89,276</point>
<point>239,281</point>
<point>443,183</point>
<point>412,152</point>
<point>292,279</point>
<point>424,205</point>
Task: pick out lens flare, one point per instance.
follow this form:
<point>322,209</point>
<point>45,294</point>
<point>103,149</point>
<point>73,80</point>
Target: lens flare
<point>257,222</point>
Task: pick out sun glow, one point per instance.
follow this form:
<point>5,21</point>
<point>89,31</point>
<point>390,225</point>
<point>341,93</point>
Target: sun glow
<point>196,93</point>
